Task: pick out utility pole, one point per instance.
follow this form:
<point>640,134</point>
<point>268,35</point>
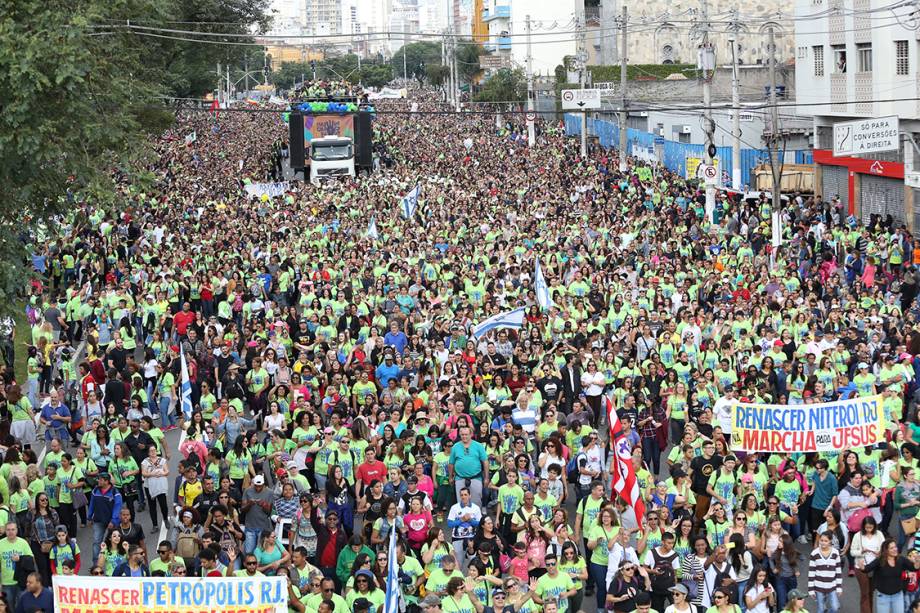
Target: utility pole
<point>405,69</point>
<point>220,85</point>
<point>623,62</point>
<point>246,75</point>
<point>707,60</point>
<point>582,69</point>
<point>776,222</point>
<point>229,93</point>
<point>736,106</point>
<point>531,136</point>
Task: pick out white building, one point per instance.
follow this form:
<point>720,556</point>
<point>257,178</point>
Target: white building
<point>858,60</point>
<point>289,18</point>
<point>551,24</point>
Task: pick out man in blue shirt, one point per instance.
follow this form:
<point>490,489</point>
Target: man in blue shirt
<point>36,596</point>
<point>396,338</point>
<point>386,371</point>
<point>469,465</point>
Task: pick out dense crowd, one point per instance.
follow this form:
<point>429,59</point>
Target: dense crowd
<point>339,394</point>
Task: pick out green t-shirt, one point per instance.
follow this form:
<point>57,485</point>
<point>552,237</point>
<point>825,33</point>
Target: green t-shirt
<point>7,565</point>
<point>573,569</point>
<point>549,588</point>
<point>510,498</point>
<point>788,492</point>
<point>66,478</point>
<point>603,536</point>
<point>437,580</point>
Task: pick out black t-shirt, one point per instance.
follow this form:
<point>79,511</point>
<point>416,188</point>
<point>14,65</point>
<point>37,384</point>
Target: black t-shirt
<point>702,470</point>
<point>119,358</point>
<point>550,387</point>
<point>223,363</point>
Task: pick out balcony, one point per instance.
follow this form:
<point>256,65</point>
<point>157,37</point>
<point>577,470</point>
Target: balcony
<point>504,43</point>
<point>500,12</point>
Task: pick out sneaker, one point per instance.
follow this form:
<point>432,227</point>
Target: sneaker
<point>156,528</point>
<point>141,507</point>
<point>803,539</point>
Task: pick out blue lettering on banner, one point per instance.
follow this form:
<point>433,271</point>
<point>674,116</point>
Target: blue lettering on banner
<point>805,417</point>
<point>206,593</point>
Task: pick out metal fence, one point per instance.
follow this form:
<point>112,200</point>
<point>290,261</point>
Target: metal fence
<point>675,154</point>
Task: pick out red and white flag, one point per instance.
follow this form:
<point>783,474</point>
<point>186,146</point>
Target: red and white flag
<point>621,467</point>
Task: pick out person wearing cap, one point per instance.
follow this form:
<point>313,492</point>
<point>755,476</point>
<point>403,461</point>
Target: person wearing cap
<point>796,602</point>
<point>256,512</point>
<point>104,509</point>
<point>365,588</point>
<point>864,380</point>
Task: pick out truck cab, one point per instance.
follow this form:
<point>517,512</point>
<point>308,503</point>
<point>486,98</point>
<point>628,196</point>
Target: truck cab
<point>331,157</point>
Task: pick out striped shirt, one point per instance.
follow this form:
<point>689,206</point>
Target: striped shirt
<point>825,573</point>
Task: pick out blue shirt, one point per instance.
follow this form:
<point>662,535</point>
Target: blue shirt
<point>385,373</point>
<point>397,340</point>
<point>468,461</point>
<point>29,602</point>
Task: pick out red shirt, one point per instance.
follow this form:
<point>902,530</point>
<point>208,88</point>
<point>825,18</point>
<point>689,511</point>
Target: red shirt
<point>182,320</point>
<point>368,471</point>
<point>329,557</point>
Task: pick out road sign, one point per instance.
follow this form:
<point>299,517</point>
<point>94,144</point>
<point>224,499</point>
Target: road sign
<point>580,99</point>
<point>490,61</point>
<point>659,140</point>
<point>710,174</point>
<point>531,116</point>
<point>866,136</point>
<point>693,167</point>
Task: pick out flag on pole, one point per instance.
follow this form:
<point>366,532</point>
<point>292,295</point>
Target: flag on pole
<point>543,297</point>
<point>508,319</point>
<point>372,229</point>
<point>393,592</point>
<point>621,467</point>
<point>215,106</point>
<point>186,389</point>
<point>410,202</point>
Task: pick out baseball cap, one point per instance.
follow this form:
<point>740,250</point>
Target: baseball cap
<point>258,480</point>
<point>679,588</point>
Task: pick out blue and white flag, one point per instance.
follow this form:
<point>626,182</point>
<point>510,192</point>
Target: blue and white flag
<point>409,202</point>
<point>186,389</point>
<point>372,229</point>
<point>508,319</point>
<point>542,289</point>
<point>393,593</point>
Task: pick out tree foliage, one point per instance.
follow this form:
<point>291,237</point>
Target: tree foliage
<point>81,92</point>
<point>505,85</point>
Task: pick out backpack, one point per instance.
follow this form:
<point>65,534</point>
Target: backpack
<point>666,578</point>
<point>187,545</point>
<point>571,469</point>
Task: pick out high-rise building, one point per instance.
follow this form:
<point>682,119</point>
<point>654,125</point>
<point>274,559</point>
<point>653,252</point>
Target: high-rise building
<point>323,17</point>
<point>551,26</point>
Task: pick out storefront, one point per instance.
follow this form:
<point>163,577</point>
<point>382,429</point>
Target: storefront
<point>866,187</point>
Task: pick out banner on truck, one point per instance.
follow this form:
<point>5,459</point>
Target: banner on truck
<point>800,428</point>
<point>73,594</point>
<point>317,126</point>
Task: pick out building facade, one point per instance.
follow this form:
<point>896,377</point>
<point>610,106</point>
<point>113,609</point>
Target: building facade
<point>858,59</point>
<point>551,26</point>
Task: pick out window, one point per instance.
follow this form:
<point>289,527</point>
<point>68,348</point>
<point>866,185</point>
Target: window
<point>901,63</point>
<point>840,58</point>
<point>683,138</point>
<point>864,57</point>
<point>801,52</point>
<point>818,53</point>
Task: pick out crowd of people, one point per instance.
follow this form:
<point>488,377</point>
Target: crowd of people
<point>326,88</point>
<point>339,394</point>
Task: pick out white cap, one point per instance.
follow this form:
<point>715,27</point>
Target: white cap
<point>258,480</point>
<point>863,365</point>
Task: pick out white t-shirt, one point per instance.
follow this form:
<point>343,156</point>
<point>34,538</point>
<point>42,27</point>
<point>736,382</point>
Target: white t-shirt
<point>761,607</point>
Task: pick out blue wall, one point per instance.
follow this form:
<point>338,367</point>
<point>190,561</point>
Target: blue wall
<point>675,154</point>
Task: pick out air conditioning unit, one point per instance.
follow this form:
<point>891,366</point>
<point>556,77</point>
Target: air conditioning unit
<point>685,130</point>
<point>643,114</point>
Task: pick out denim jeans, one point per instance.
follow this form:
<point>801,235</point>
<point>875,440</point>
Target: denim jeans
<point>252,540</point>
<point>827,603</point>
<point>12,595</point>
<point>99,531</point>
<point>884,603</point>
<point>166,419</point>
<point>598,574</point>
<point>784,585</point>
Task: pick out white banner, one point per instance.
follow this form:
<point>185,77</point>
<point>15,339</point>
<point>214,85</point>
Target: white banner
<point>191,138</point>
<point>257,190</point>
<point>82,594</point>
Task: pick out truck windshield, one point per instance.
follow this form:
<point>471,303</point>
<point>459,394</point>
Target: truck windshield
<point>338,151</point>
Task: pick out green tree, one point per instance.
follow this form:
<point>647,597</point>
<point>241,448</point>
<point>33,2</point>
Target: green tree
<point>505,85</point>
<point>437,75</point>
<point>376,75</point>
<point>418,56</point>
<point>468,53</point>
<point>80,99</point>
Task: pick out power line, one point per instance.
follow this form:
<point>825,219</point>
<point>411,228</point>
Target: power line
<point>609,111</point>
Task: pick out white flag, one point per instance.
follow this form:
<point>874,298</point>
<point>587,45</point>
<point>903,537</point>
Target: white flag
<point>410,201</point>
<point>542,289</point>
<point>508,319</point>
<point>372,229</point>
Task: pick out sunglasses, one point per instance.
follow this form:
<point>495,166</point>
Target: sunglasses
<point>162,551</point>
